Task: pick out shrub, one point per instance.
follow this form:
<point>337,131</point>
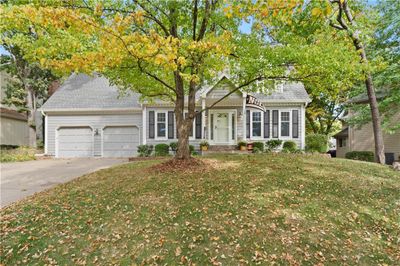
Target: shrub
<point>317,143</point>
<point>17,155</point>
<point>259,146</point>
<point>40,144</point>
<point>191,149</point>
<point>173,146</point>
<point>256,150</point>
<point>367,156</point>
<point>273,144</point>
<point>161,149</point>
<point>145,150</point>
<point>289,146</point>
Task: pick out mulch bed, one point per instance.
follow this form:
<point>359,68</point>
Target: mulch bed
<point>136,159</point>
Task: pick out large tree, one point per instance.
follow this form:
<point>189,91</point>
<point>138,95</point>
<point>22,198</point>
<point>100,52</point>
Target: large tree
<point>343,19</point>
<point>164,49</point>
<point>386,47</point>
<point>170,49</point>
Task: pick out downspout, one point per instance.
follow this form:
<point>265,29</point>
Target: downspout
<point>45,132</point>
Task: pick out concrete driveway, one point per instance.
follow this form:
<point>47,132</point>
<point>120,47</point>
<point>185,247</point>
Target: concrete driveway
<point>21,179</point>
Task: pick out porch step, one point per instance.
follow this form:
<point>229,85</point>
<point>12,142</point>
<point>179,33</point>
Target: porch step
<point>222,148</point>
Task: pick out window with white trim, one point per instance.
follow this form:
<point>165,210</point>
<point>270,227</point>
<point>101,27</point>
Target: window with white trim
<point>256,124</point>
<point>162,125</point>
<point>285,124</point>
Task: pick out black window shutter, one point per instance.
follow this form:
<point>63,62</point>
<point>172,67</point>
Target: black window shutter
<point>295,123</point>
<point>275,123</point>
<point>248,123</point>
<point>151,125</point>
<point>171,124</point>
<point>198,125</point>
<point>266,124</point>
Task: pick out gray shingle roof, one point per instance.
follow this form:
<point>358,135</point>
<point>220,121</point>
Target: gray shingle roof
<point>291,92</point>
<point>81,91</point>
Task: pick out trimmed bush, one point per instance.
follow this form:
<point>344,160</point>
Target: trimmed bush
<point>259,146</point>
<point>367,156</point>
<point>317,143</point>
<point>161,149</point>
<point>145,150</point>
<point>273,144</point>
<point>256,150</point>
<point>173,146</point>
<point>191,148</point>
<point>289,146</point>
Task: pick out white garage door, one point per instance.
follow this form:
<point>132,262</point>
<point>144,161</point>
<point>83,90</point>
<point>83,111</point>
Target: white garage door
<point>120,141</point>
<point>75,142</point>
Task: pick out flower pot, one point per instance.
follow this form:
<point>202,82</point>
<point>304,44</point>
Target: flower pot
<point>204,148</point>
<point>243,148</point>
<point>250,146</point>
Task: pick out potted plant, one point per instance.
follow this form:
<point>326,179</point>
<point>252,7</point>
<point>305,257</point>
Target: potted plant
<point>250,146</point>
<point>204,145</point>
<point>242,145</point>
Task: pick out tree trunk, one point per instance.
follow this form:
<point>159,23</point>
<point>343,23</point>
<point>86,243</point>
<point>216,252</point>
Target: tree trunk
<point>182,123</point>
<point>376,121</point>
<point>31,104</point>
<point>373,104</point>
<point>183,152</point>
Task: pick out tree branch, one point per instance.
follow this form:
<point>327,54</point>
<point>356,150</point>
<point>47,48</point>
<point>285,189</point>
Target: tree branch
<point>155,77</point>
<point>195,19</point>
<point>204,23</point>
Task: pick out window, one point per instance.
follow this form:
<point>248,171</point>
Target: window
<point>256,123</point>
<point>161,125</point>
<point>275,125</point>
<point>285,124</point>
<point>342,142</point>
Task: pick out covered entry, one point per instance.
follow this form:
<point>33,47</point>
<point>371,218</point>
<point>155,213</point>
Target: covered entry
<point>120,141</point>
<point>74,142</point>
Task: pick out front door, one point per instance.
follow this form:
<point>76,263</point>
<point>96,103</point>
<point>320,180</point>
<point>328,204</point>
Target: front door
<point>221,127</point>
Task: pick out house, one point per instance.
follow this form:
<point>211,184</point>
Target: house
<point>87,117</point>
<point>356,138</point>
<point>14,130</point>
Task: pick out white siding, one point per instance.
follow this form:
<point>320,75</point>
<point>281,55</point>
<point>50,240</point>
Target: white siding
<point>241,132</point>
<point>97,122</point>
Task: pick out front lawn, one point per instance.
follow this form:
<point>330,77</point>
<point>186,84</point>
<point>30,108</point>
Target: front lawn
<point>243,209</point>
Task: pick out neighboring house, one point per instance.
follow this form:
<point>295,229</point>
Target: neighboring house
<point>87,117</point>
<point>355,138</point>
<point>14,129</point>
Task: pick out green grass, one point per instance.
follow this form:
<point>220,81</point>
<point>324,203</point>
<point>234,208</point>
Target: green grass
<point>20,154</point>
<point>286,208</point>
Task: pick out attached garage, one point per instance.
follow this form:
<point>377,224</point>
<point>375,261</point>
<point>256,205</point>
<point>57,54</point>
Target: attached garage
<point>88,117</point>
<point>120,141</point>
<point>74,142</point>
